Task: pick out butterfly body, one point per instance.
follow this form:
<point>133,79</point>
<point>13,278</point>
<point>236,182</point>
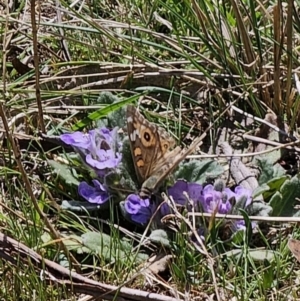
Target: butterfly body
<point>152,153</point>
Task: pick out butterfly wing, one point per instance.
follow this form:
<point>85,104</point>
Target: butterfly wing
<point>162,169</point>
<point>149,143</point>
<point>166,166</point>
<point>150,148</point>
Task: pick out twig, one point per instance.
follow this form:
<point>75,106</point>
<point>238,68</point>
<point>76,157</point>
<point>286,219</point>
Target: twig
<point>290,145</point>
<point>36,67</point>
<point>272,126</point>
<point>77,283</point>
<point>289,99</point>
<point>5,42</point>
<point>61,31</point>
<point>274,219</point>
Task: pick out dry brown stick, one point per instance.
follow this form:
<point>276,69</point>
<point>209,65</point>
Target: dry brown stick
<point>289,98</point>
<point>6,38</point>
<point>278,36</point>
<point>56,273</point>
<point>36,66</point>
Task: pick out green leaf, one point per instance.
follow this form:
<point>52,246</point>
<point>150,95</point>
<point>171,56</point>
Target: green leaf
<point>139,257</point>
<point>63,261</point>
<point>160,237</point>
<point>262,255</point>
<point>283,201</point>
<point>268,274</point>
<point>99,243</point>
<point>269,170</point>
<point>238,237</point>
<point>74,243</point>
<point>98,114</point>
<point>248,224</point>
<point>107,98</point>
<point>198,171</point>
<point>257,208</point>
<point>274,185</point>
<point>64,172</point>
<point>260,190</point>
<point>276,182</point>
<point>111,249</point>
<point>127,160</point>
<point>232,253</point>
<point>119,183</point>
<point>46,237</point>
<point>177,271</point>
<point>117,118</point>
<point>256,255</point>
<point>275,203</point>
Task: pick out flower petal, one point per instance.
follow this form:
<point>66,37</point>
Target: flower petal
<point>224,207</point>
<point>243,192</point>
<point>98,185</point>
<point>229,193</point>
<point>92,194</point>
<point>142,216</point>
<point>176,191</point>
<point>132,204</point>
<point>194,191</point>
<point>165,209</point>
<point>76,139</point>
<point>211,198</point>
<point>140,210</point>
<point>98,148</point>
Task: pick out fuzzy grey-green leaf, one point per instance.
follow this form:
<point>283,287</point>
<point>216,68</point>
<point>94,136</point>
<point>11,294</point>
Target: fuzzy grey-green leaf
<point>161,237</point>
<point>64,172</point>
<point>199,171</point>
<point>283,201</point>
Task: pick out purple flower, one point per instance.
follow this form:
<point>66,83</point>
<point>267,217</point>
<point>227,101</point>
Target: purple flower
<point>76,139</point>
<point>165,209</point>
<point>224,207</point>
<point>192,189</point>
<point>207,198</point>
<point>104,159</point>
<point>108,135</point>
<point>240,225</point>
<point>228,194</point>
<point>213,200</point>
<point>241,192</point>
<point>98,148</point>
<point>140,210</point>
<point>94,194</point>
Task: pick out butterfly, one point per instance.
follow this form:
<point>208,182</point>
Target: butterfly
<point>152,151</point>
